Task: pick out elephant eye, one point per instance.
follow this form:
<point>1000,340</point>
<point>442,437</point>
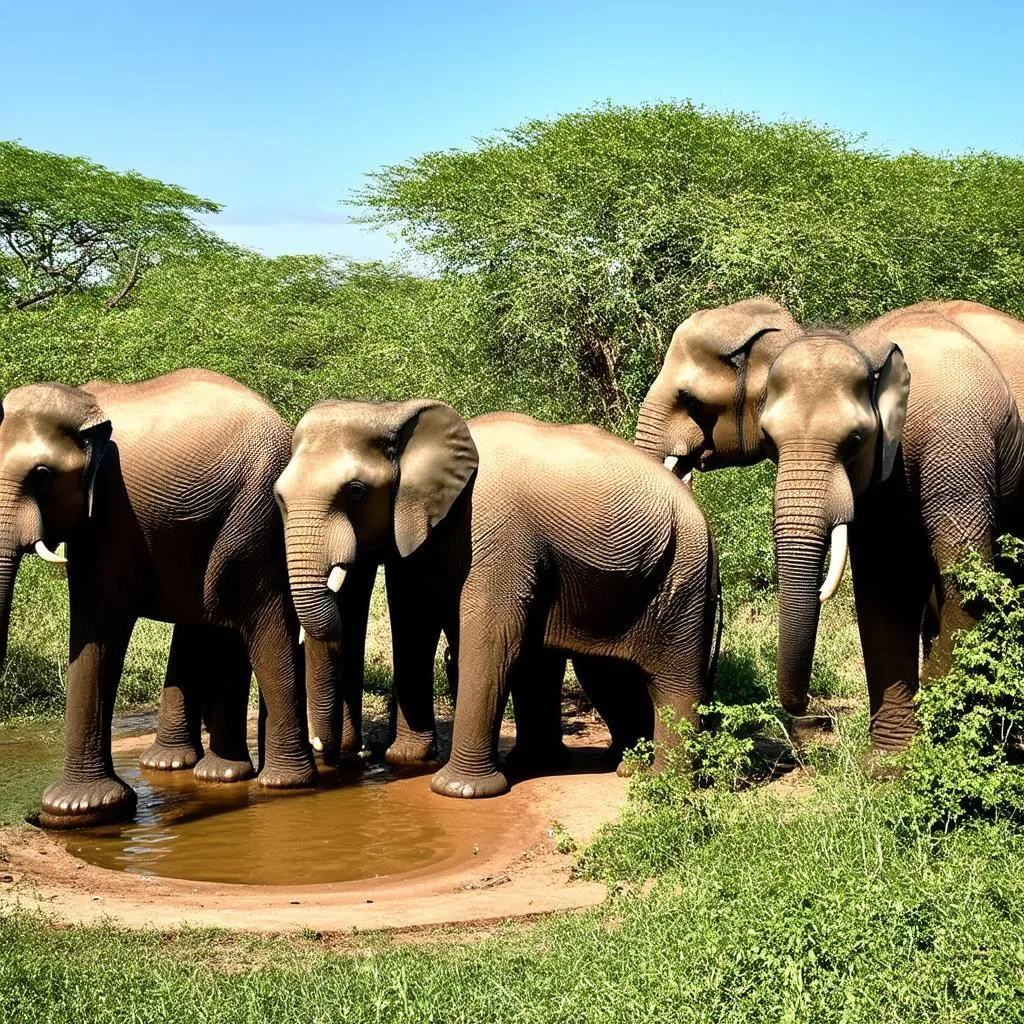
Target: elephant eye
<point>42,474</point>
<point>355,492</point>
<point>853,441</point>
<point>688,402</point>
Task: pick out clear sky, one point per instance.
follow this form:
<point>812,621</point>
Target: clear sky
<point>277,110</point>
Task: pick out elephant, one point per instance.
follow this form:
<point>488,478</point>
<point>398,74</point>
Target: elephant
<point>904,443</point>
<point>524,542</point>
<point>707,407</point>
<point>162,491</point>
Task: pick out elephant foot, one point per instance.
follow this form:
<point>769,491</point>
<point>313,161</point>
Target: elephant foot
<point>450,782</point>
<point>275,777</point>
<point>168,757</point>
<point>213,768</point>
<point>416,749</point>
<point>81,804</point>
<point>530,760</point>
<point>339,755</point>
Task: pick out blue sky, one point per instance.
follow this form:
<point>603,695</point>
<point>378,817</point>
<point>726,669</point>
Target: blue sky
<point>277,110</point>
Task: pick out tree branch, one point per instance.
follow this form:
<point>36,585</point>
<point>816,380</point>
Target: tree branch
<point>33,299</point>
<point>133,278</point>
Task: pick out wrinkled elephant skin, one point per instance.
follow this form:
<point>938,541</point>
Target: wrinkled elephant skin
<point>902,442</point>
<point>526,543</point>
<point>163,492</point>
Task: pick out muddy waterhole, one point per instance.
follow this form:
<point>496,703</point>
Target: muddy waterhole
<point>359,823</point>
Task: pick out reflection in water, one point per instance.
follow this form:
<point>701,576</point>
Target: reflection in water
<point>363,824</point>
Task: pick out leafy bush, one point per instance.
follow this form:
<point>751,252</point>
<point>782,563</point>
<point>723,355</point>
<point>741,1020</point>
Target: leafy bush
<point>966,758</point>
<point>738,504</point>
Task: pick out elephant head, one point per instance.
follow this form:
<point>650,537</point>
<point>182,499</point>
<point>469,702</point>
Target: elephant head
<point>832,421</point>
<point>702,409</point>
<point>52,440</point>
<point>365,481</point>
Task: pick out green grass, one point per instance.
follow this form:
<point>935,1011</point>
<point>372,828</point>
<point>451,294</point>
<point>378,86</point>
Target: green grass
<point>817,897</point>
<point>767,908</point>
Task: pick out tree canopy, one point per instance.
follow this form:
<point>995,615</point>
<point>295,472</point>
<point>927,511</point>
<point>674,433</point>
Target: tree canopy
<point>68,224</point>
<point>592,235</point>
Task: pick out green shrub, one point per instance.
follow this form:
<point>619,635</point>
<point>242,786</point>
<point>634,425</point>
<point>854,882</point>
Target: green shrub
<point>965,760</point>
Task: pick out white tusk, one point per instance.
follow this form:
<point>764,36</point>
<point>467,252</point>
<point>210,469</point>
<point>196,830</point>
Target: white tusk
<point>688,479</point>
<point>318,744</point>
<point>47,555</point>
<point>670,462</point>
<point>335,579</point>
<point>302,634</point>
<point>836,565</point>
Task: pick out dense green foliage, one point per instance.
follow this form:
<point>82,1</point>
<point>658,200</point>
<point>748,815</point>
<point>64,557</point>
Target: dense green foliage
<point>593,234</point>
<point>967,759</point>
<point>68,225</point>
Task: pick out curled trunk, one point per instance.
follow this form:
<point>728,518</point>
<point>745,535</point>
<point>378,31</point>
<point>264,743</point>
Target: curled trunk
<point>308,569</point>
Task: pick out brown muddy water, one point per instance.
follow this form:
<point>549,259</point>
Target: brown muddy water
<point>363,823</point>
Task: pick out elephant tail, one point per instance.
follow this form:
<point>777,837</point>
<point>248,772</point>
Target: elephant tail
<point>720,618</point>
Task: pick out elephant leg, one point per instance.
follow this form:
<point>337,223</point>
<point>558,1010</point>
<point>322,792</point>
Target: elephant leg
<point>89,791</point>
<point>285,756</point>
<point>178,743</point>
<point>679,683</point>
<point>891,587</point>
<point>491,642</point>
<point>335,671</point>
<point>226,666</point>
<point>415,632</point>
<point>618,690</point>
<point>949,614</point>
<point>536,688</point>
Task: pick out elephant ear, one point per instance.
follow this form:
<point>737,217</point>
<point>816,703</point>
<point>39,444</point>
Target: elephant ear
<point>94,434</point>
<point>436,460</point>
<point>891,390</point>
<point>731,330</point>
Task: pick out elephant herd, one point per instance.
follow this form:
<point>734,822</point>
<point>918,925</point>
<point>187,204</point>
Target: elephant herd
<point>188,499</point>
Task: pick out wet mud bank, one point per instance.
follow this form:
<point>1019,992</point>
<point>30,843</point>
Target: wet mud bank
<point>366,850</point>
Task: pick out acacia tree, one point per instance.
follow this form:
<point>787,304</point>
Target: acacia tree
<point>592,235</point>
<point>68,224</point>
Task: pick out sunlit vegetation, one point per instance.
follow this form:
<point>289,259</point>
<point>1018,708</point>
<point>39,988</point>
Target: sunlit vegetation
<point>562,255</point>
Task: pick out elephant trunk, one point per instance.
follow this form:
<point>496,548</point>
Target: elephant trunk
<point>812,497</point>
<point>312,566</point>
<point>11,546</point>
<point>9,561</point>
<point>651,425</point>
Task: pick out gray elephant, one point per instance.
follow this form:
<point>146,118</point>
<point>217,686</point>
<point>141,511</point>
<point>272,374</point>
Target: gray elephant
<point>524,542</point>
<point>163,492</point>
<point>907,475</point>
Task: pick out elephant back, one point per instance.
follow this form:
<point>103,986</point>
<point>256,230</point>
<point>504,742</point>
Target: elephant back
<point>580,493</point>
